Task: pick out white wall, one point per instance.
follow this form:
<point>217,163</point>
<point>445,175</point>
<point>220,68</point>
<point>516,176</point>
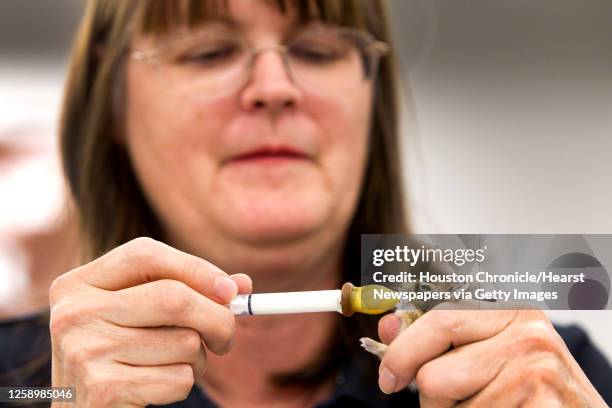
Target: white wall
<point>511,130</point>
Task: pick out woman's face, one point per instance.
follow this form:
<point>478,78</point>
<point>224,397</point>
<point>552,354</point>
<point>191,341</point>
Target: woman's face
<point>272,165</point>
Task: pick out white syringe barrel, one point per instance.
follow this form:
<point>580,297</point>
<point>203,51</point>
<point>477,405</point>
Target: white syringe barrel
<point>287,302</point>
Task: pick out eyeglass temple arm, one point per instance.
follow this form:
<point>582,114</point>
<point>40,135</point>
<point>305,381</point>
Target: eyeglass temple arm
<point>379,47</point>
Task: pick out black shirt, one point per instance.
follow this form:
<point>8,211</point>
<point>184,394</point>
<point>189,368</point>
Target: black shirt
<point>25,361</point>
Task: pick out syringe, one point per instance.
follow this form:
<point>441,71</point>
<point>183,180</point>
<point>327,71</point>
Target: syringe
<point>350,299</point>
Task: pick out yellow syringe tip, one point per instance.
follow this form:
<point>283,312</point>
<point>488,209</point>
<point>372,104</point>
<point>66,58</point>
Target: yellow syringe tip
<point>369,299</point>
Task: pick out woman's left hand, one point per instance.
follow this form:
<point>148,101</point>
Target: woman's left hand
<point>473,358</point>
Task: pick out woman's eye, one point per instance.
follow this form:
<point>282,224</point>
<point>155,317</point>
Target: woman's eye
<point>315,53</point>
<point>211,55</point>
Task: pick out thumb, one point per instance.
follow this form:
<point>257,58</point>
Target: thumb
<point>388,327</point>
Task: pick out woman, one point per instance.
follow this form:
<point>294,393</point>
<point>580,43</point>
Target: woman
<point>257,140</point>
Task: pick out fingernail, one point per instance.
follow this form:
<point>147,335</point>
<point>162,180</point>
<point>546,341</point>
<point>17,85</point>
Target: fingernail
<point>242,276</point>
<point>386,381</point>
<point>225,288</point>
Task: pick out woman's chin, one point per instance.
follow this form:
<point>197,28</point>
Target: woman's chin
<point>263,223</point>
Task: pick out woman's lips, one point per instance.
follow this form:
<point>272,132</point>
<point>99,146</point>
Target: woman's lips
<point>270,156</point>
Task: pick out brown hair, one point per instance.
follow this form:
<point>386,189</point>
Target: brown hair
<point>111,206</point>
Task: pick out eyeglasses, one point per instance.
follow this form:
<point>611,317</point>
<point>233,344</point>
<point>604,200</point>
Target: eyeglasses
<point>215,62</point>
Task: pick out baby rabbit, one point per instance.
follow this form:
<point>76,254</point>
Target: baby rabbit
<point>409,312</point>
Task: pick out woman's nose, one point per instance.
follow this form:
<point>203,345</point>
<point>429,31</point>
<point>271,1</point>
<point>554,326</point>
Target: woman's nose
<point>271,87</point>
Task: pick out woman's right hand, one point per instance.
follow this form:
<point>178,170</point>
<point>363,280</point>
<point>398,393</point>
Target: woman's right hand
<point>132,327</point>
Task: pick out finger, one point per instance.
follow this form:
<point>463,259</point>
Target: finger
<point>388,328</point>
<point>145,260</point>
<point>243,281</point>
<point>459,373</point>
<point>160,346</point>
<point>172,303</point>
<point>537,380</point>
<point>124,384</point>
<point>509,389</point>
<point>135,346</point>
<point>434,334</point>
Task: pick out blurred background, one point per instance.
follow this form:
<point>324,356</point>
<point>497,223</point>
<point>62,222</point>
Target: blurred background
<point>509,129</point>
